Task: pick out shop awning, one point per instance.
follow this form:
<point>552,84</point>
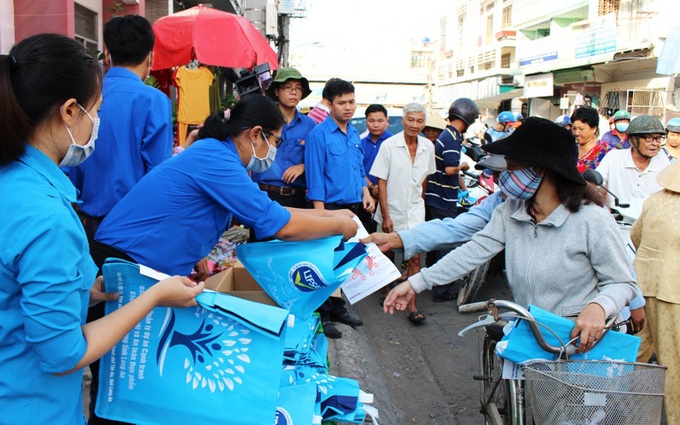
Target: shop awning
<point>669,58</point>
<point>495,99</point>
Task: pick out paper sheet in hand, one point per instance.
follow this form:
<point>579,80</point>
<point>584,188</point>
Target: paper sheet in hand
<point>374,271</point>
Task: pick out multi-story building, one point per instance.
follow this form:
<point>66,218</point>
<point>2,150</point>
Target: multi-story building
<point>545,57</point>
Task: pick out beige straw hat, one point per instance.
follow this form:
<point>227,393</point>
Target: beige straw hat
<point>669,177</point>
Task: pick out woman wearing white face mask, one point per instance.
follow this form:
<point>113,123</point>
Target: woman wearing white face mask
<point>50,89</point>
<point>174,216</point>
<point>563,251</point>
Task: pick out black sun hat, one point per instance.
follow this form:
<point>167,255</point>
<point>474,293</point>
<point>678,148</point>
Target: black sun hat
<point>541,142</point>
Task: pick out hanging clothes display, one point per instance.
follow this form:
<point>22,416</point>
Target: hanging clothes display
<point>194,97</point>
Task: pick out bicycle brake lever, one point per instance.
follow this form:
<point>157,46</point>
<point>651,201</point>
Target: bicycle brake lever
<point>486,321</point>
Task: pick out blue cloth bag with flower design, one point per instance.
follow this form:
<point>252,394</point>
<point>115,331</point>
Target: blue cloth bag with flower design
<point>219,362</point>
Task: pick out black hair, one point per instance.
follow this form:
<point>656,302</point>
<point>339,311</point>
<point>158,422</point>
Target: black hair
<point>38,75</point>
<point>572,195</point>
<point>586,115</point>
<point>375,108</point>
<point>336,87</point>
<point>129,39</point>
<point>251,110</point>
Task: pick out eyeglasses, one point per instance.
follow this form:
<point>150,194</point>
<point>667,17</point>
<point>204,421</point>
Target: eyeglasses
<point>656,139</point>
<point>277,139</point>
<point>291,88</point>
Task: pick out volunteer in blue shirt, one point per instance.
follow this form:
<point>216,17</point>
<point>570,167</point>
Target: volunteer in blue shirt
<point>284,181</point>
<point>377,122</point>
<point>334,167</point>
<point>136,131</point>
<point>174,216</point>
<point>50,91</point>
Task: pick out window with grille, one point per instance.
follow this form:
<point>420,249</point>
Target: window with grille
<point>86,28</point>
<point>505,60</point>
<point>645,102</point>
<point>607,6</point>
<point>507,16</point>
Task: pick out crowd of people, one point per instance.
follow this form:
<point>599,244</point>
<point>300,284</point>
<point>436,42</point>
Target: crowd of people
<point>290,176</point>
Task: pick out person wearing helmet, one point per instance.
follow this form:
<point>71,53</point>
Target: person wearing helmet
<point>672,147</point>
<point>617,137</point>
<point>518,119</point>
<point>502,128</point>
<point>564,121</point>
<point>441,191</point>
<point>630,174</point>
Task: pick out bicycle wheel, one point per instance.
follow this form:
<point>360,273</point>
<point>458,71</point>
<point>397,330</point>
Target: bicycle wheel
<point>495,395</point>
<point>472,283</point>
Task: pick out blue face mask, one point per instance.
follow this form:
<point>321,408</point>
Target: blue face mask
<point>520,184</point>
<point>260,165</point>
<point>621,127</point>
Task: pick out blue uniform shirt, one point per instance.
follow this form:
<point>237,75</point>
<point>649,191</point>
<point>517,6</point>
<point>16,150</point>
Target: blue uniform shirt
<point>290,152</point>
<point>370,150</point>
<point>334,164</point>
<point>442,190</point>
<point>45,276</point>
<point>174,216</point>
<point>135,135</point>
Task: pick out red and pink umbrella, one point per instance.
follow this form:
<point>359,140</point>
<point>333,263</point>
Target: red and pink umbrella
<point>211,36</point>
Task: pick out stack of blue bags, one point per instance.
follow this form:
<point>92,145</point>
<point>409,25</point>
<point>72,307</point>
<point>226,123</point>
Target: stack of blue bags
<point>307,393</point>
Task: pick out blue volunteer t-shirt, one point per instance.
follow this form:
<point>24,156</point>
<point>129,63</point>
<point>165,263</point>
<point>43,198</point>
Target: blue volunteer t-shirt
<point>174,216</point>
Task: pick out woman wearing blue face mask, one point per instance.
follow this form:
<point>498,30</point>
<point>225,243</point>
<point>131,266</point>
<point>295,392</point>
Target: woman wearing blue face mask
<point>50,90</point>
<point>563,251</point>
<point>176,213</point>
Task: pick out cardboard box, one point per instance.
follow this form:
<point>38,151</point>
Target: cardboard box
<point>238,282</point>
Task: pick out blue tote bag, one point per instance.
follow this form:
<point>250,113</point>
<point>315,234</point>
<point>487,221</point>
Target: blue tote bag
<point>300,276</point>
<point>219,362</point>
<point>519,345</point>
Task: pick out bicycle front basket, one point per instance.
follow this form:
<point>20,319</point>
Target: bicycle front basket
<point>595,392</point>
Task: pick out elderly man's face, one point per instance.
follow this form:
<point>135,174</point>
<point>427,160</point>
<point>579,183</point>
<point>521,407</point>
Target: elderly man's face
<point>414,123</point>
<point>650,144</point>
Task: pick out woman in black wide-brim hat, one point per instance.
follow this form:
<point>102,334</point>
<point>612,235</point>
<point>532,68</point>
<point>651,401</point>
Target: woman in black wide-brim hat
<point>563,251</point>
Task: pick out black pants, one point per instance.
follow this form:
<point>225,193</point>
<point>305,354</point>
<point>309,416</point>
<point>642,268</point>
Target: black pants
<point>432,213</point>
<point>100,252</point>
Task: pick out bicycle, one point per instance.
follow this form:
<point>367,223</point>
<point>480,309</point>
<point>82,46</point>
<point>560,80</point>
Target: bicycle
<point>563,383</point>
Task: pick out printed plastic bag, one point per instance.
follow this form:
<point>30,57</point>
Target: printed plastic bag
<point>300,276</point>
<point>519,344</point>
<point>219,362</point>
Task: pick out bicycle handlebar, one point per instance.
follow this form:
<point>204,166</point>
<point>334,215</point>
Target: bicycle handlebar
<point>493,305</point>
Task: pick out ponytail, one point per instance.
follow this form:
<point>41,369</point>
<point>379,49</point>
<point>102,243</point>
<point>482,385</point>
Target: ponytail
<point>41,73</point>
<point>15,124</point>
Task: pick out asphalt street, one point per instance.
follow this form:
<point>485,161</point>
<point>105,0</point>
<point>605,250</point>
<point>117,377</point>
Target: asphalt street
<point>418,374</point>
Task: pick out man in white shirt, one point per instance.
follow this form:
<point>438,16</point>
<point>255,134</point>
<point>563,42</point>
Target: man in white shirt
<point>402,166</point>
<point>630,174</point>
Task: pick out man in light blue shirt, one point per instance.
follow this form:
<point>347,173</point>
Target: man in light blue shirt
<point>136,123</point>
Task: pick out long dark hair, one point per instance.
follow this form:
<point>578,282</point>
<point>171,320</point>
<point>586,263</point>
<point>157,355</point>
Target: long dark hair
<point>572,195</point>
<point>39,74</point>
<point>250,111</point>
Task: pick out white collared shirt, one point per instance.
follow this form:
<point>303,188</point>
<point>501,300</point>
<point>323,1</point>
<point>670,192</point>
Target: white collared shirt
<point>625,180</point>
<point>404,179</point>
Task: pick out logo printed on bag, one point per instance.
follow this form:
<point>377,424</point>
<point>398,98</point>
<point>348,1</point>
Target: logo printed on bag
<point>306,277</point>
<point>282,417</point>
<point>213,355</point>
